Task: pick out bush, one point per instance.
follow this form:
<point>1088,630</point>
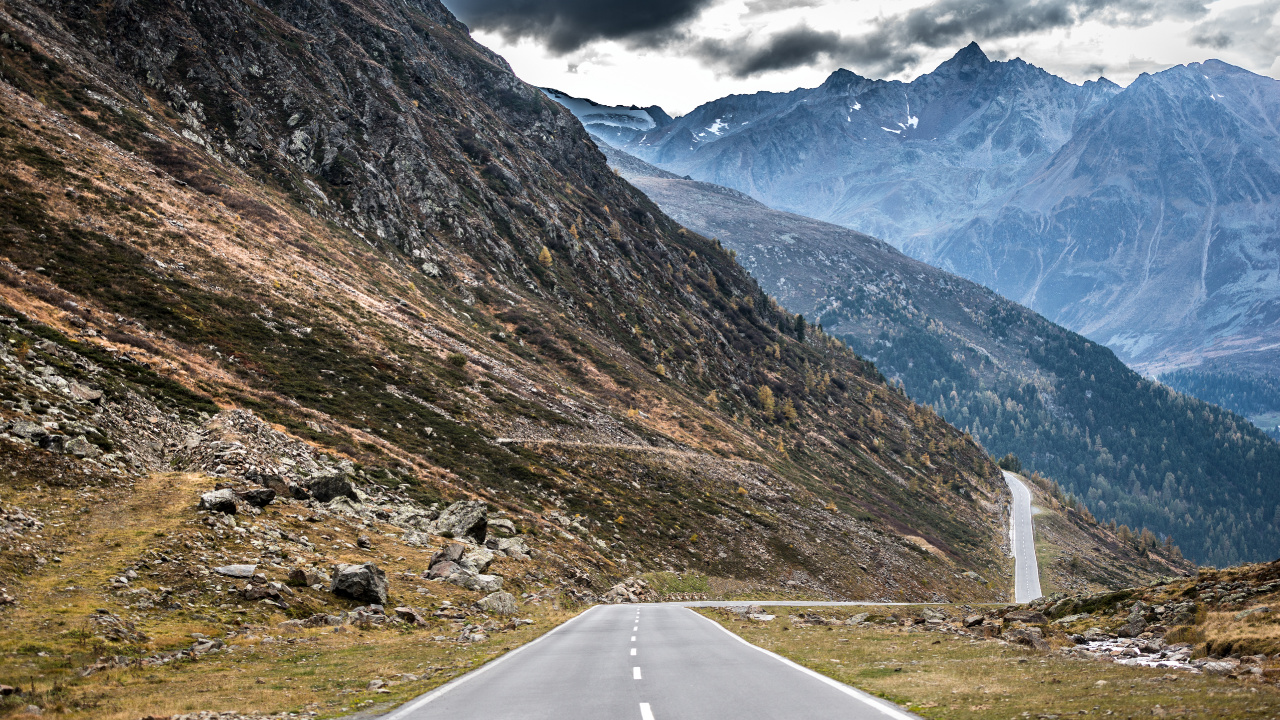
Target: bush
<point>1011,463</point>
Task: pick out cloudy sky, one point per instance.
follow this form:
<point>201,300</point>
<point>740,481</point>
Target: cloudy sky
<point>680,53</point>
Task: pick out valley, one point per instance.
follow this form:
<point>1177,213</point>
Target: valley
<point>1015,381</point>
<point>338,367</point>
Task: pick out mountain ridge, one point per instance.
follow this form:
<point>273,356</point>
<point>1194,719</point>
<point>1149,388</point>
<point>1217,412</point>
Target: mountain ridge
<point>1011,182</point>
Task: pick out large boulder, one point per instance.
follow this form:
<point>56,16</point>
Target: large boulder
<point>452,552</point>
<point>258,496</point>
<point>443,570</point>
<point>1031,637</point>
<point>308,577</point>
<point>511,547</point>
<point>366,583</point>
<point>499,603</point>
<point>1030,617</point>
<point>327,486</point>
<point>28,430</point>
<point>502,527</point>
<point>223,501</point>
<point>82,448</point>
<point>475,581</point>
<point>477,559</point>
<point>464,520</point>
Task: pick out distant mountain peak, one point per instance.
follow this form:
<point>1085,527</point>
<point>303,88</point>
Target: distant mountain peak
<point>970,54</point>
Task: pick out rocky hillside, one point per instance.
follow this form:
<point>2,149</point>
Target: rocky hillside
<point>356,225</point>
<point>1139,217</point>
<point>1015,381</point>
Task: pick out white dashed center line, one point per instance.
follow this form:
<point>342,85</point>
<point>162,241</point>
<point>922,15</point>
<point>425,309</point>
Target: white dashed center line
<point>633,651</point>
<point>645,712</point>
<point>633,638</point>
<point>635,673</point>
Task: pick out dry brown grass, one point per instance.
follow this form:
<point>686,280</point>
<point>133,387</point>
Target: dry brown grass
<point>48,636</point>
<point>944,676</point>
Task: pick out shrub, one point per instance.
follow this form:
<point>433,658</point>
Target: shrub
<point>1011,463</point>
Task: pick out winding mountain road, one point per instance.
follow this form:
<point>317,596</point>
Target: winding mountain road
<point>644,662</point>
<point>1026,585</point>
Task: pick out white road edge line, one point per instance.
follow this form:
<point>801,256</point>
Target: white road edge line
<point>645,712</point>
<point>883,706</point>
<point>635,673</point>
<point>414,705</point>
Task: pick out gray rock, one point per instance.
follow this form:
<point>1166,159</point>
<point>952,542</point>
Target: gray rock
<point>1029,636</point>
<point>1252,611</point>
<point>82,448</point>
<point>237,571</point>
<point>511,547</point>
<point>452,552</point>
<point>477,559</point>
<point>366,583</point>
<point>223,501</point>
<point>28,430</point>
<point>443,570</point>
<point>465,519</point>
<point>499,603</point>
<point>326,487</point>
<point>410,615</point>
<point>502,527</point>
<point>257,497</point>
<point>308,577</point>
<point>84,392</point>
<point>1030,617</point>
<point>475,581</point>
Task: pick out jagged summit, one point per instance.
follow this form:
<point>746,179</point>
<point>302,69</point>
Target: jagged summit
<point>967,59</point>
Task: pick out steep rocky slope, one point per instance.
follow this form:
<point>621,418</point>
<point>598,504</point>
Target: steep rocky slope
<point>354,222</point>
<point>1143,218</point>
<point>1010,377</point>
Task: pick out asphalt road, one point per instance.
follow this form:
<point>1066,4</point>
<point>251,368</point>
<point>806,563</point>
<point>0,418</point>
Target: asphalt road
<point>1026,585</point>
<point>644,662</point>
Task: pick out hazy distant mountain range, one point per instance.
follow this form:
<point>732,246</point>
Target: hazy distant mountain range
<point>1144,217</point>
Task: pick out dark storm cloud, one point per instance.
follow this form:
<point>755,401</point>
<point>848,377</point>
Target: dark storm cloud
<point>566,25</point>
<point>893,43</point>
<point>801,46</point>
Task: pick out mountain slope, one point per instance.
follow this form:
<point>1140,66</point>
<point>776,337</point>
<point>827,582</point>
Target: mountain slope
<point>353,221</point>
<point>1067,407</point>
<point>1143,218</point>
<point>1153,228</point>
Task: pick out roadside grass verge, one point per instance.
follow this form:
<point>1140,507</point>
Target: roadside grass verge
<point>943,676</point>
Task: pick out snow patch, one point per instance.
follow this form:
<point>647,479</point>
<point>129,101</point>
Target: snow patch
<point>895,132</point>
<point>717,127</point>
<point>856,106</point>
